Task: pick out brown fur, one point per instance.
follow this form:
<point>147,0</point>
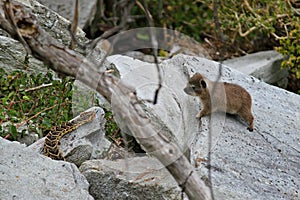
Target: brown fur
<point>229,98</point>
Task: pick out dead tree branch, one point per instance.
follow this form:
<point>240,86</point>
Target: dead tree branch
<point>64,60</point>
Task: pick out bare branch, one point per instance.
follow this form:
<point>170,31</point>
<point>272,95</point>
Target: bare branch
<point>221,38</point>
<point>154,46</point>
<point>240,27</point>
<point>35,116</point>
<point>246,3</point>
<point>38,87</point>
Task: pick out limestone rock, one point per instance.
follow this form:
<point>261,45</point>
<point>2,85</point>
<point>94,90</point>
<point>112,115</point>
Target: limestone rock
<point>66,9</point>
<point>132,178</point>
<point>259,165</point>
<point>265,65</point>
<point>12,53</point>
<point>54,24</point>
<point>12,56</point>
<point>87,139</point>
<point>25,174</point>
<point>263,164</point>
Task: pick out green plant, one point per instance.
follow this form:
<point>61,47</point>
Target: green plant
<point>36,100</point>
<point>188,17</point>
<point>252,25</point>
<point>111,127</point>
<point>290,46</point>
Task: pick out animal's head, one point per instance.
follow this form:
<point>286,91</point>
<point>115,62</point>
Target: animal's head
<point>196,85</point>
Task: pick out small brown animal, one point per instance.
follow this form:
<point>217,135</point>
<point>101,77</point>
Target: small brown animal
<point>227,97</point>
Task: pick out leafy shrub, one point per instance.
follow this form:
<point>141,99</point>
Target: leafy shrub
<point>248,25</point>
<point>37,100</point>
<point>291,46</point>
<point>188,17</point>
<point>252,25</point>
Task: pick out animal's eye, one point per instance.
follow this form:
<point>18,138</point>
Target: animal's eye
<point>193,87</point>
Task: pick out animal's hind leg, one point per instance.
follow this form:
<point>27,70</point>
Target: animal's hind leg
<point>248,117</point>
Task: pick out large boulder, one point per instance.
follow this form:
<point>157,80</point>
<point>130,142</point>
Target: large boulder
<point>131,178</point>
<point>66,9</point>
<point>264,65</point>
<point>24,174</point>
<point>263,164</point>
<point>12,52</point>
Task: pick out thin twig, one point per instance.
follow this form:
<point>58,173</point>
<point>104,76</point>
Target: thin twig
<point>240,27</point>
<point>246,3</point>
<point>34,116</point>
<point>221,55</point>
<point>38,87</point>
<point>112,31</point>
<point>294,9</point>
<point>74,25</point>
<point>92,44</point>
<point>154,43</point>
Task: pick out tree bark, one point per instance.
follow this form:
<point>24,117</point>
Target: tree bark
<point>63,60</point>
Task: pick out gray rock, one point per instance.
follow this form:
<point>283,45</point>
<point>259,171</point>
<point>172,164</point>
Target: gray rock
<point>12,53</point>
<point>263,164</point>
<point>132,178</point>
<point>141,56</point>
<point>66,9</point>
<point>90,139</point>
<point>265,65</point>
<point>54,24</point>
<point>86,142</point>
<point>24,174</point>
<point>166,115</point>
<point>12,57</point>
<point>26,137</point>
<point>259,165</point>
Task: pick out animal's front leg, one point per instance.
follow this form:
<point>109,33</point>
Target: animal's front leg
<point>202,113</point>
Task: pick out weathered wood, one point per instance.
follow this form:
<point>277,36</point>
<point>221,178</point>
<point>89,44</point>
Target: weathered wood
<point>63,60</point>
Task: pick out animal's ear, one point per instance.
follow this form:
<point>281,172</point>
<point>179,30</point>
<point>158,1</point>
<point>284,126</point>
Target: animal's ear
<point>203,83</point>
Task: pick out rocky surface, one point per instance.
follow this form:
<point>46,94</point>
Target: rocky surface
<point>263,164</point>
<point>24,174</point>
<point>265,65</point>
<point>170,114</point>
<point>12,56</point>
<point>66,9</point>
<point>12,53</point>
<point>132,178</point>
